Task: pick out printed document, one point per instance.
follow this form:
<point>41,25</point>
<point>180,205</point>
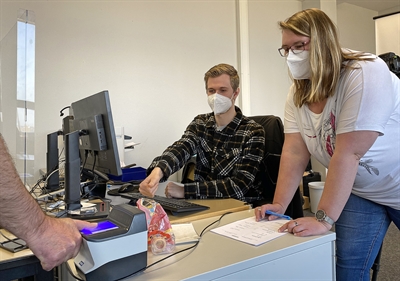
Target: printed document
<point>251,231</point>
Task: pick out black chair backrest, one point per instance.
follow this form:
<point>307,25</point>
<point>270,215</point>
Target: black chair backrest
<point>188,170</point>
<point>269,167</point>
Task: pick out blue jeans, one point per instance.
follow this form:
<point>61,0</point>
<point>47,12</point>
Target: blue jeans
<point>360,231</point>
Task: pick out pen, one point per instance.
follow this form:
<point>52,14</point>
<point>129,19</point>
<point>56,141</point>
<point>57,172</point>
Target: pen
<point>278,215</point>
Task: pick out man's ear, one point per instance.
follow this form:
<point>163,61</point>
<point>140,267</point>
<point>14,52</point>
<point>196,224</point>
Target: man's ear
<point>236,93</point>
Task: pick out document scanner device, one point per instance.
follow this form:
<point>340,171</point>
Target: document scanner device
<point>116,248</point>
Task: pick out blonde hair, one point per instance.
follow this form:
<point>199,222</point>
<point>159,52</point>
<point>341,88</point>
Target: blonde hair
<point>220,69</point>
<point>327,58</point>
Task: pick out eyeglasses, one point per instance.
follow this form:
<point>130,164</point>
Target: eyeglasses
<point>296,49</point>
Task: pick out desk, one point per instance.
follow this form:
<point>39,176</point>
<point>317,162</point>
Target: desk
<point>20,265</point>
<point>220,258</point>
<point>217,207</point>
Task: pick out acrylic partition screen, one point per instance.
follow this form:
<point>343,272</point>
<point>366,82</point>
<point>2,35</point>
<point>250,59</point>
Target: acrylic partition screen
<point>17,93</point>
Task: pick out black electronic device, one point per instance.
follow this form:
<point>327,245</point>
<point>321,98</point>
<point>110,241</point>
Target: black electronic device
<point>101,209</point>
<point>72,186</point>
<point>128,187</point>
<point>393,62</point>
<point>92,144</point>
<point>171,204</point>
<point>98,146</point>
<point>124,188</point>
<point>116,248</point>
<point>52,173</point>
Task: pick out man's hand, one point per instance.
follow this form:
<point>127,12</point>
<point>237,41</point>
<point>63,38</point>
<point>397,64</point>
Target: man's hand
<point>173,190</point>
<point>57,240</point>
<point>149,185</point>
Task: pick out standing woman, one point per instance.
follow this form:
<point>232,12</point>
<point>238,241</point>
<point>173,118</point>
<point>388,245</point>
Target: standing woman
<point>344,109</point>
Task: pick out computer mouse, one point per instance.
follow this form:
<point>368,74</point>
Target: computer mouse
<point>128,187</point>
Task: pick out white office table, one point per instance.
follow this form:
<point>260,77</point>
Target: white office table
<point>220,258</point>
<point>216,207</point>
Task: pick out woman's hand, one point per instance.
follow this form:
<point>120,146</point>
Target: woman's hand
<point>260,211</point>
<point>306,226</point>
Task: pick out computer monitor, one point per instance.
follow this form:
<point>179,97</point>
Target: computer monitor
<point>91,144</point>
<point>97,143</point>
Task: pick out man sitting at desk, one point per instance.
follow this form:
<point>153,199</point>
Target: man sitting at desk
<point>228,147</point>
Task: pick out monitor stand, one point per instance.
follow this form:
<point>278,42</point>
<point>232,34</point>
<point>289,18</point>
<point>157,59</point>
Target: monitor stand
<point>72,196</point>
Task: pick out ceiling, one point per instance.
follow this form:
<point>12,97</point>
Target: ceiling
<point>376,5</point>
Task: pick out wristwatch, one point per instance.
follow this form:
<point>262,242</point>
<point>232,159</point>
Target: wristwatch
<point>321,216</point>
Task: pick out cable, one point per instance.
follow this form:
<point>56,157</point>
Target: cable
<point>10,240</point>
<point>46,177</point>
<point>86,157</point>
<point>55,170</point>
<point>61,214</point>
<point>15,241</point>
<point>94,162</point>
<point>61,111</point>
<point>167,257</point>
<point>181,251</point>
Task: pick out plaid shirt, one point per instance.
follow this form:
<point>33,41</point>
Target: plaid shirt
<point>227,161</point>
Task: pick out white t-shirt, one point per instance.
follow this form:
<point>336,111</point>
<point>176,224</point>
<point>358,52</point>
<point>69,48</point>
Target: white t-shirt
<point>367,98</point>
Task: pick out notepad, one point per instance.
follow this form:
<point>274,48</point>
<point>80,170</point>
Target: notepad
<point>252,232</point>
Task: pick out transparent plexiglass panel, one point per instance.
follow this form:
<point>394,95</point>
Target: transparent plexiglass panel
<point>17,93</point>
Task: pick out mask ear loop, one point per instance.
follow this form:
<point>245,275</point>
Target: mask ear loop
<point>233,96</point>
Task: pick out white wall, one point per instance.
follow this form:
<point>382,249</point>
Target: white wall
<point>356,27</point>
<point>269,78</point>
<point>151,56</point>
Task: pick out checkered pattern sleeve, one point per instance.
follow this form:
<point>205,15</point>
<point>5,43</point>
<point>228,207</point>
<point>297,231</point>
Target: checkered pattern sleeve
<point>227,160</point>
<point>230,171</point>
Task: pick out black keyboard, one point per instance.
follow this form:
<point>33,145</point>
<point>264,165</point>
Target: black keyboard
<point>170,204</point>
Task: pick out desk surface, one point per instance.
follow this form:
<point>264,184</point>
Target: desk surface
<point>6,256</point>
<point>220,258</point>
<point>217,207</point>
<point>21,264</point>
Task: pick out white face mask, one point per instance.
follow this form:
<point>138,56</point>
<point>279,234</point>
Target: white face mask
<point>219,103</point>
<point>299,65</point>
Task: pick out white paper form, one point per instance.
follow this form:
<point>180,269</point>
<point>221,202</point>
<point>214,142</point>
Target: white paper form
<point>252,232</point>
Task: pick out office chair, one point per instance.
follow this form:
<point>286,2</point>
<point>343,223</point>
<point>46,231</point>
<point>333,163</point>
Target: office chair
<point>376,265</point>
<point>269,167</point>
<point>188,171</point>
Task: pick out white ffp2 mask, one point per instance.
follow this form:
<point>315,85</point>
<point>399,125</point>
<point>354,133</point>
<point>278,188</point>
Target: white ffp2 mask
<point>299,65</point>
<point>219,103</point>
